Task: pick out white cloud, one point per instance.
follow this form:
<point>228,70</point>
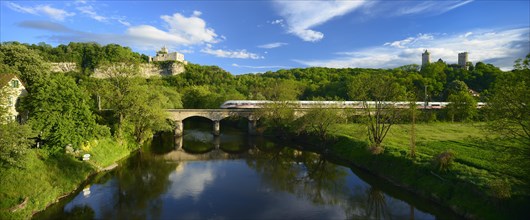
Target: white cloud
<point>278,22</point>
<point>179,32</point>
<point>191,29</point>
<point>239,54</point>
<point>89,10</point>
<point>54,13</point>
<point>302,16</point>
<point>409,40</point>
<point>190,181</point>
<point>272,45</point>
<point>421,7</point>
<point>126,23</point>
<point>197,13</point>
<point>499,47</point>
<point>260,67</point>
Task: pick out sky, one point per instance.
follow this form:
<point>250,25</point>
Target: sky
<point>259,36</point>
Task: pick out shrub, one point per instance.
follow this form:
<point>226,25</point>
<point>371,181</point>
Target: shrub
<point>444,160</point>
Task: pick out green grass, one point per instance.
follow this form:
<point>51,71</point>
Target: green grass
<point>482,160</point>
<point>45,178</point>
<point>106,152</point>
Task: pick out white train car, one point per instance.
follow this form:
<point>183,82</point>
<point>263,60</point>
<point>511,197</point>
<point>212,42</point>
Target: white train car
<point>253,104</point>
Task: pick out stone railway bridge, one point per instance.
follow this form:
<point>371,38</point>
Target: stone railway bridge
<point>216,115</point>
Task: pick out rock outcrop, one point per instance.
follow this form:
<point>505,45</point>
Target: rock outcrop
<point>145,69</point>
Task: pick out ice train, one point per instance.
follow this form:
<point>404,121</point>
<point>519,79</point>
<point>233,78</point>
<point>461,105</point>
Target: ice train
<point>253,104</point>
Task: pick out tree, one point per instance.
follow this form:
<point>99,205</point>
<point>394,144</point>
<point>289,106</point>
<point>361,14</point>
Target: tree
<point>14,142</point>
<point>413,112</point>
<point>4,94</point>
<point>279,117</point>
<point>375,91</point>
<point>19,60</point>
<point>147,114</point>
<point>200,97</point>
<point>435,77</point>
<point>318,121</point>
<point>282,90</point>
<point>138,108</point>
<point>59,110</point>
<point>508,107</point>
<point>462,106</point>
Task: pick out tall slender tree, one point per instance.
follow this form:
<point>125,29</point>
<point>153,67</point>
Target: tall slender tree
<point>377,91</point>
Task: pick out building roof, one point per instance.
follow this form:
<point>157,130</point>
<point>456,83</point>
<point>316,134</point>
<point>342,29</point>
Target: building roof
<point>6,78</point>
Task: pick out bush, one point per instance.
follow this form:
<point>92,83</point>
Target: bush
<point>444,160</point>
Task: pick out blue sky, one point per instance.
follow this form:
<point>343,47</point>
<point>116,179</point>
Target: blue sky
<point>258,36</point>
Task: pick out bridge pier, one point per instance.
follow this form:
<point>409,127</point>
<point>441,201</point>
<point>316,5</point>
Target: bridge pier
<point>179,128</point>
<point>216,128</point>
<point>178,142</point>
<point>252,125</point>
<point>217,142</point>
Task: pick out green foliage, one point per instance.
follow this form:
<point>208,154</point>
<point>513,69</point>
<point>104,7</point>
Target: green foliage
<point>199,97</point>
<point>60,112</point>
<point>456,86</point>
<point>14,143</point>
<point>27,63</point>
<point>435,78</point>
<point>164,64</point>
<point>88,56</point>
<point>137,107</point>
<point>106,151</point>
<point>483,159</point>
<point>318,121</point>
<point>379,116</point>
<point>508,107</point>
<point>462,107</point>
<point>500,189</point>
<point>43,179</point>
<point>278,117</point>
<point>282,90</point>
<point>4,94</point>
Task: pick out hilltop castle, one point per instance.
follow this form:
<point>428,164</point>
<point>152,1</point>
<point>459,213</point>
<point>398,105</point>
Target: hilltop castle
<point>462,59</point>
<point>164,55</point>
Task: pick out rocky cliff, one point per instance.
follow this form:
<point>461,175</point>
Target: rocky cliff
<point>145,69</point>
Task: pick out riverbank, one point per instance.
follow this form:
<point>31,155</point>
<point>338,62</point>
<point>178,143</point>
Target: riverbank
<point>44,179</point>
<point>487,180</point>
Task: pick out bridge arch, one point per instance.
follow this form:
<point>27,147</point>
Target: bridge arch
<point>215,115</point>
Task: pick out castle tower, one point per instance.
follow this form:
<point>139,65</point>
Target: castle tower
<point>462,60</point>
<point>425,58</point>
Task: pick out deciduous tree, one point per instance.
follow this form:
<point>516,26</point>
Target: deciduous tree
<point>376,91</point>
<point>59,110</point>
<point>509,106</point>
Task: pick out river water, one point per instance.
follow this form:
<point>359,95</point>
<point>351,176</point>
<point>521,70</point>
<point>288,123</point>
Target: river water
<point>235,177</point>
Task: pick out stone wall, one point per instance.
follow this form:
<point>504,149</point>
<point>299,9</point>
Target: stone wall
<point>145,70</point>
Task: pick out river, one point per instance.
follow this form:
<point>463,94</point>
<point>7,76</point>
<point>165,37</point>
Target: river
<point>235,176</point>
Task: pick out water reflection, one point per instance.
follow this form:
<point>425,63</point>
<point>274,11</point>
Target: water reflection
<point>234,177</point>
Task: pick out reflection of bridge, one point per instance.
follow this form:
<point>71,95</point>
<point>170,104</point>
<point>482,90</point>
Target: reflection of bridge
<point>216,115</point>
<point>216,152</point>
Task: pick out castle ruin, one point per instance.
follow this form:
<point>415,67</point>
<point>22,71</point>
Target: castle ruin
<point>164,55</point>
